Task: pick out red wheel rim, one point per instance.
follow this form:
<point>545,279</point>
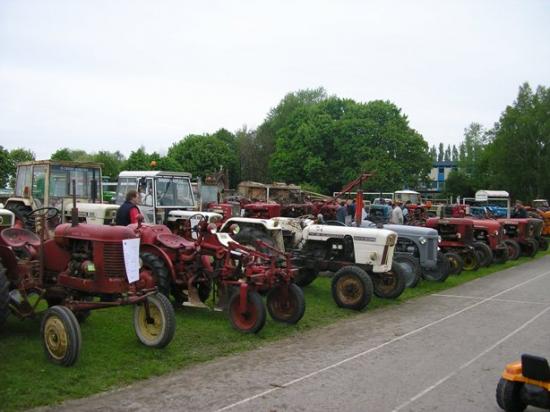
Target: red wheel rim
<point>246,320</point>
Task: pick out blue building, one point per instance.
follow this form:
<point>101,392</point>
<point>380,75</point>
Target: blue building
<point>439,173</point>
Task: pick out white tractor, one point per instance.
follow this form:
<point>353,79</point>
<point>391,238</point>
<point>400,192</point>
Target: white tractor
<point>362,258</point>
<point>47,187</point>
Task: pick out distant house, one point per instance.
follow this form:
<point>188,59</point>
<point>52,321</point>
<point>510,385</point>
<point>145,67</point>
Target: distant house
<point>439,173</point>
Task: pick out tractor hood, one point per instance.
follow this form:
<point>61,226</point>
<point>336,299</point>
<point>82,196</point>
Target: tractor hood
<point>93,232</point>
<point>491,225</point>
<point>374,235</point>
<point>175,215</point>
<point>412,231</point>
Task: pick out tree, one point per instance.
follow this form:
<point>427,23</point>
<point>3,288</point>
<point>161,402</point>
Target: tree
<point>277,118</point>
<point>459,184</point>
<point>112,163</point>
<point>201,155</point>
<point>433,153</point>
<point>454,155</point>
<point>519,153</point>
<point>140,160</point>
<point>447,157</point>
<point>17,156</point>
<point>441,152</point>
<point>329,143</point>
<point>71,155</point>
<point>5,167</point>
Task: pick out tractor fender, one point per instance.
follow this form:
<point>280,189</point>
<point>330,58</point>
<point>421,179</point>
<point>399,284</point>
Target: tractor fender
<point>155,250</point>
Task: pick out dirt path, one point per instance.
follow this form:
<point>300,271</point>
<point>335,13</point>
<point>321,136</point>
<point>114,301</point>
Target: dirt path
<point>440,352</point>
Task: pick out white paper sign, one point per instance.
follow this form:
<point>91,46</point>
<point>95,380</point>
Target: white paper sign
<point>130,248</point>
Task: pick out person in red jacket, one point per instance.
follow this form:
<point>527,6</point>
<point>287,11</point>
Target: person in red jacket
<point>128,212</point>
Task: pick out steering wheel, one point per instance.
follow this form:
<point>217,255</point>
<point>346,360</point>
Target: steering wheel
<point>197,216</point>
<point>49,213</point>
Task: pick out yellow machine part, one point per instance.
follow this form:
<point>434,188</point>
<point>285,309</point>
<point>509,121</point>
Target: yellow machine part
<point>513,373</point>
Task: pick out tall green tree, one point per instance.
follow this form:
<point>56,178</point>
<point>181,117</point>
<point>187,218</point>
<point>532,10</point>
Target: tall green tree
<point>5,167</point>
<point>519,154</point>
<point>202,155</point>
<point>329,143</point>
<point>441,152</point>
<point>140,160</point>
<point>73,155</point>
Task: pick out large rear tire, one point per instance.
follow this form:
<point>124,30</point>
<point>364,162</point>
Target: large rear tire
<point>158,330</point>
<point>390,285</point>
<point>351,288</point>
<point>4,296</point>
<point>287,306</point>
<point>442,270</point>
<point>509,396</point>
<point>514,249</point>
<point>305,277</point>
<point>412,272</point>
<point>485,252</point>
<point>252,320</point>
<point>61,336</point>
<point>158,270</point>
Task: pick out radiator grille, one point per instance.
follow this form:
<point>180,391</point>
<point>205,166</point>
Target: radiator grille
<point>432,247</point>
<point>114,260</point>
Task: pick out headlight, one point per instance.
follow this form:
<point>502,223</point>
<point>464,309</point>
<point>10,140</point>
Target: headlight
<point>422,240</point>
<point>458,235</point>
<point>373,256</point>
<point>439,239</point>
<point>496,232</point>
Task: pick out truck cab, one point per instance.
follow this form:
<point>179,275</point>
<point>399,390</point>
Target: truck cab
<point>48,183</point>
<point>160,193</point>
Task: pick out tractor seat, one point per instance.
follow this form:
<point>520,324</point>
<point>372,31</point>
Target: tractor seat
<point>16,237</point>
<point>172,241</point>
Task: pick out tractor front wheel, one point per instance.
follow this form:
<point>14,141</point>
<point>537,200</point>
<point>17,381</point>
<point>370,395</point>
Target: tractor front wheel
<point>252,319</point>
<point>471,260</point>
<point>351,288</point>
<point>305,276</point>
<point>61,335</point>
<point>514,249</point>
<point>530,248</point>
<point>456,263</point>
<point>509,396</point>
<point>412,272</point>
<point>156,328</point>
<point>485,252</point>
<point>4,296</point>
<point>442,270</point>
<point>390,285</point>
<point>286,304</point>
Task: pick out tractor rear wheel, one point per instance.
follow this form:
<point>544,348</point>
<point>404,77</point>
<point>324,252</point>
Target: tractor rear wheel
<point>456,263</point>
<point>390,285</point>
<point>158,270</point>
<point>158,329</point>
<point>412,272</point>
<point>485,252</point>
<point>530,248</point>
<point>514,249</point>
<point>351,288</point>
<point>61,335</point>
<point>286,306</point>
<point>252,320</point>
<point>543,243</point>
<point>509,396</point>
<point>305,276</point>
<point>442,270</point>
<point>4,296</point>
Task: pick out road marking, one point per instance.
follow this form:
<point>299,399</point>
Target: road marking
<point>375,348</point>
<point>496,300</point>
<point>465,365</point>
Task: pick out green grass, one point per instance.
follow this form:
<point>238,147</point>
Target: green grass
<point>112,357</point>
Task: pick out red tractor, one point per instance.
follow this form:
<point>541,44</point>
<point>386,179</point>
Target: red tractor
<point>488,235</point>
<point>526,235</point>
<point>83,267</point>
<point>261,210</point>
<point>236,274</point>
<point>458,242</point>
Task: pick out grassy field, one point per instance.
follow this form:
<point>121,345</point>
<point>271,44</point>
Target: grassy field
<point>112,356</point>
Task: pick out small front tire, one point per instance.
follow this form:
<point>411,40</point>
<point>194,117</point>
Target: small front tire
<point>390,285</point>
<point>352,288</point>
<point>509,396</point>
<point>287,306</point>
<point>61,336</point>
<point>252,320</point>
<point>158,330</point>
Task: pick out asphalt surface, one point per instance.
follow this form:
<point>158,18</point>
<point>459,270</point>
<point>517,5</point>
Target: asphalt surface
<point>443,352</point>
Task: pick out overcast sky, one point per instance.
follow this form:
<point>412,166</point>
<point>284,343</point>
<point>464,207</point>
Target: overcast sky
<point>114,75</point>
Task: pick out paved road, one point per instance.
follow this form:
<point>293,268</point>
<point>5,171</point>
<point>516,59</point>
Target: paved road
<point>442,352</point>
